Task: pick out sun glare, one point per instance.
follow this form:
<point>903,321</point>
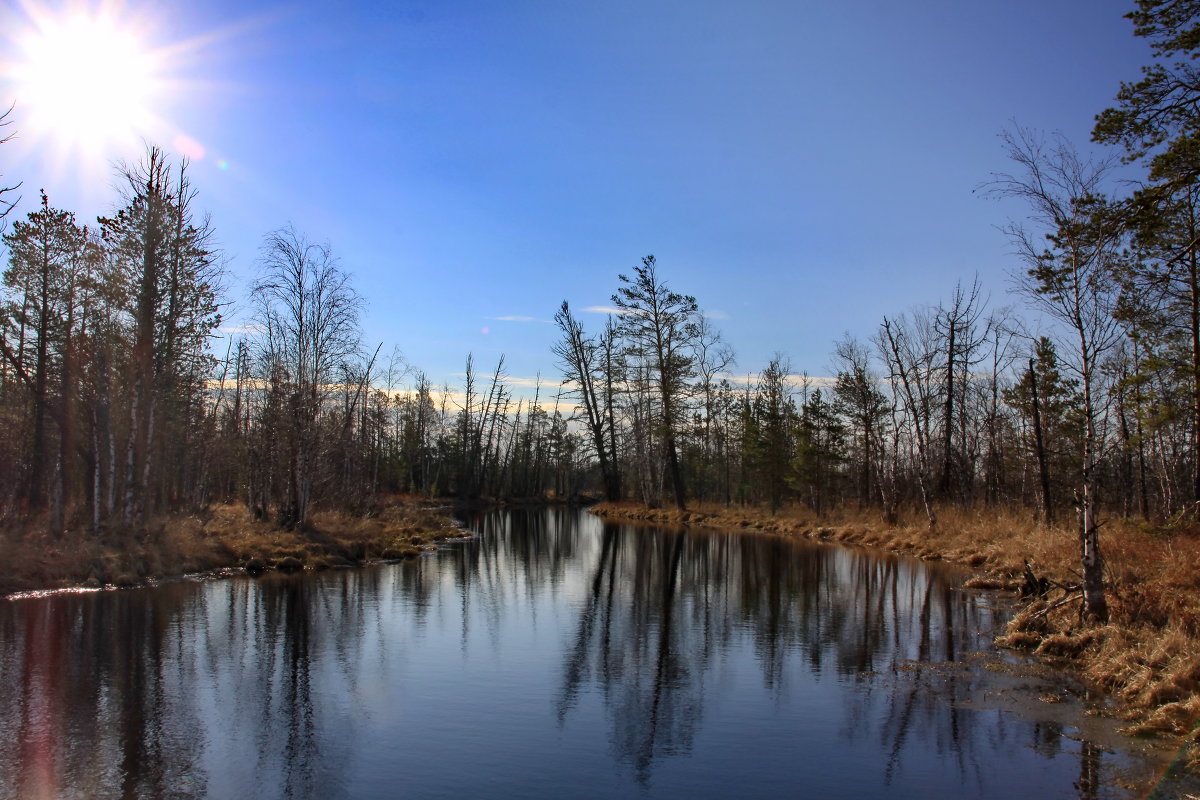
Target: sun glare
<point>85,83</point>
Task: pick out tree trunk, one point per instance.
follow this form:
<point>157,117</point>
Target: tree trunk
<point>1095,605</point>
<point>1040,449</point>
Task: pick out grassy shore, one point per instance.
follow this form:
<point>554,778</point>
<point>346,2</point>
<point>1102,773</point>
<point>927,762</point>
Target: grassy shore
<point>223,536</point>
<point>1147,657</point>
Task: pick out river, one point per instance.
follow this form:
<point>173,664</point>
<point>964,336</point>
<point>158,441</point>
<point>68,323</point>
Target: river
<point>550,655</point>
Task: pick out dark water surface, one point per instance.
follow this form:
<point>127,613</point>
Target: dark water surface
<point>552,655</point>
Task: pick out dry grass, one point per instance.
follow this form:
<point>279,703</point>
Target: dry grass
<point>1147,656</point>
<point>220,537</point>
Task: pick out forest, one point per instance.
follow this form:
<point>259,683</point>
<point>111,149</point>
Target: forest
<point>121,400</point>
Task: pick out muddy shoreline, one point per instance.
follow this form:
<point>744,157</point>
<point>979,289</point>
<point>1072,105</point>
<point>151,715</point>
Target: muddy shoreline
<point>224,539</point>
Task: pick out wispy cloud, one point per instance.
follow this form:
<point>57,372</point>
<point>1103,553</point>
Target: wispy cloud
<point>517,318</point>
<point>531,383</point>
<point>792,380</point>
<point>603,310</point>
<point>716,314</point>
<point>236,330</point>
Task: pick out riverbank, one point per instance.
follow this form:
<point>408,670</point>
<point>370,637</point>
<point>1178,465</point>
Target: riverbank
<point>1147,657</point>
<point>220,537</point>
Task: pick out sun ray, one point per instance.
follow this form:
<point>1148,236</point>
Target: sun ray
<point>83,80</point>
<point>92,82</point>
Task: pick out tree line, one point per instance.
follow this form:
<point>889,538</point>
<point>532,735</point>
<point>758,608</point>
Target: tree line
<point>118,408</point>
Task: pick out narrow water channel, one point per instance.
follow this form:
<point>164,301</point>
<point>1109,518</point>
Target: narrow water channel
<point>552,655</point>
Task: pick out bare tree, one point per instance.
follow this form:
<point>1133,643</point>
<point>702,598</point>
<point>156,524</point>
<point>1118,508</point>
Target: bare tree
<point>907,352</point>
<point>581,358</point>
<point>309,317</point>
<point>957,324</point>
<point>1069,254</point>
<point>998,338</point>
<point>714,357</point>
<point>6,205</point>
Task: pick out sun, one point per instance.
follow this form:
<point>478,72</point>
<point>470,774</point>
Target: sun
<point>85,83</point>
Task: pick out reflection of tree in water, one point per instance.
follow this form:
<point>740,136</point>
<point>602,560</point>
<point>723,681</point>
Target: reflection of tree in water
<point>660,703</point>
<point>225,688</point>
<point>1089,771</point>
<point>661,607</point>
<point>628,635</point>
<point>107,657</point>
<point>229,688</point>
<point>520,555</point>
<point>915,702</point>
<point>166,693</point>
<point>908,693</point>
<point>286,702</point>
<point>632,615</point>
<point>918,696</point>
<point>858,614</point>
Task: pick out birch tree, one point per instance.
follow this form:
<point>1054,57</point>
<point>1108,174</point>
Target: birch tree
<point>1070,246</point>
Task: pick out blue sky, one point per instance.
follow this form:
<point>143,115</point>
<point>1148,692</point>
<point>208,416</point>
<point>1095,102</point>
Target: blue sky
<point>802,168</point>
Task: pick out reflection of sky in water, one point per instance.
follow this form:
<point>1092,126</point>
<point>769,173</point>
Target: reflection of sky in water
<point>534,660</point>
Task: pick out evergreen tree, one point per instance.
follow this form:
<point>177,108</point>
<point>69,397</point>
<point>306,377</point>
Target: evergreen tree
<point>659,327</point>
<point>820,452</point>
<point>1051,408</point>
<point>39,337</point>
<point>770,440</point>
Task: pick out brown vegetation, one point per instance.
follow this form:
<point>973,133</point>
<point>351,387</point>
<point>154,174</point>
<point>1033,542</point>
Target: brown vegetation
<point>224,536</point>
<point>1148,655</point>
